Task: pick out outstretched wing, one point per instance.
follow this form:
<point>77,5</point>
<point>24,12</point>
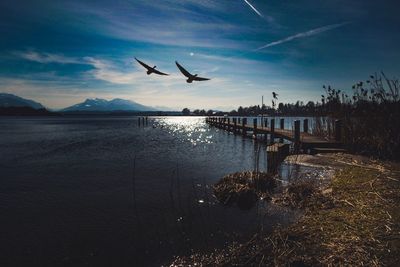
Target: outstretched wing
<point>143,64</point>
<point>159,72</point>
<point>200,79</point>
<point>184,72</point>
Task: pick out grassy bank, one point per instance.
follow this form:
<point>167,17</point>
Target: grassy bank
<point>361,228</point>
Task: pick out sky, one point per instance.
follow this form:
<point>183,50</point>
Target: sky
<point>61,52</point>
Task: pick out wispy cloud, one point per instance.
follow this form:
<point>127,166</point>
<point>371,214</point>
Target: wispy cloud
<point>180,23</point>
<point>226,60</point>
<point>303,35</point>
<point>47,57</point>
<point>254,9</point>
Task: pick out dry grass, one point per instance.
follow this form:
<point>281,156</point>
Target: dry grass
<point>360,228</point>
<point>244,188</point>
<point>304,193</point>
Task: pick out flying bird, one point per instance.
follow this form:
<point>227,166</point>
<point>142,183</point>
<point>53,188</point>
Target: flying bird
<point>274,95</point>
<point>150,70</point>
<point>190,77</point>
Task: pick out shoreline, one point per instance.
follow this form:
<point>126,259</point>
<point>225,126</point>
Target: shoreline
<point>359,227</point>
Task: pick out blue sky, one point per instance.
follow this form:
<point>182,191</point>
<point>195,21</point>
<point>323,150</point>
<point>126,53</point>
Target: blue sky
<point>62,52</point>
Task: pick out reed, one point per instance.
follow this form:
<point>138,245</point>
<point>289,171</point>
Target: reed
<point>370,116</point>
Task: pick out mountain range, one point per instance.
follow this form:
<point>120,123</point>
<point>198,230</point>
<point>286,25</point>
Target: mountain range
<point>89,105</point>
<point>117,104</point>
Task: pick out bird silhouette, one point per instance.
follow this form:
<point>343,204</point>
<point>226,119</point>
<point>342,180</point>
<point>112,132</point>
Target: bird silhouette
<point>274,95</point>
<point>190,76</point>
<point>150,70</point>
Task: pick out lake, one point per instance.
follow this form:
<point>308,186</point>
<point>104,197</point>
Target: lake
<point>104,191</point>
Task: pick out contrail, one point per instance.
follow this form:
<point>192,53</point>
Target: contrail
<point>303,34</point>
<point>252,7</point>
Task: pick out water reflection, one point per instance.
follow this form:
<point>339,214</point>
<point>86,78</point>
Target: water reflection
<point>192,129</point>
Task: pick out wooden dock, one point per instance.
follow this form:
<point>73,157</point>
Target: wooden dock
<point>301,139</point>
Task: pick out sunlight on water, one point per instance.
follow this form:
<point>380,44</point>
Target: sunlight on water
<point>192,129</point>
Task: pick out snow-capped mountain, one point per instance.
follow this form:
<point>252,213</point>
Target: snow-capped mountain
<point>117,104</point>
<point>10,100</point>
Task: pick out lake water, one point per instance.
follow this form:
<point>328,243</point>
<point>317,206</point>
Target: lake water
<point>104,191</point>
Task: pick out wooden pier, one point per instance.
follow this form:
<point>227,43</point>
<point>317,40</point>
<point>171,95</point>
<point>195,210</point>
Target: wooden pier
<point>303,140</point>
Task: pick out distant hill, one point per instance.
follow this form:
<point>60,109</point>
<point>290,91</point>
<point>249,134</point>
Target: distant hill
<point>102,105</point>
<point>10,100</point>
<point>25,111</point>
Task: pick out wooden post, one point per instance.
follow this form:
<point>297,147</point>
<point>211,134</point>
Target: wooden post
<point>272,159</point>
<point>255,128</point>
<point>266,126</point>
<point>229,124</point>
<point>282,127</point>
<point>272,131</point>
<point>297,135</point>
<point>244,122</point>
<point>138,121</point>
<point>234,124</point>
<point>305,125</point>
<point>338,130</point>
<point>276,154</point>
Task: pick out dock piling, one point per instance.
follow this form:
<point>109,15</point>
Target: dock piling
<point>255,128</point>
<point>244,130</point>
<point>282,126</point>
<point>297,134</point>
<point>276,153</point>
<point>305,125</point>
<point>272,131</point>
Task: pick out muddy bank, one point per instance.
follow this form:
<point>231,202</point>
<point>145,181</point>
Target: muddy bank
<point>359,226</point>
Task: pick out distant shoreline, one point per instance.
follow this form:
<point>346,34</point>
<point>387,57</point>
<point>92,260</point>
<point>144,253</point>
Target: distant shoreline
<point>25,111</point>
<point>29,112</point>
